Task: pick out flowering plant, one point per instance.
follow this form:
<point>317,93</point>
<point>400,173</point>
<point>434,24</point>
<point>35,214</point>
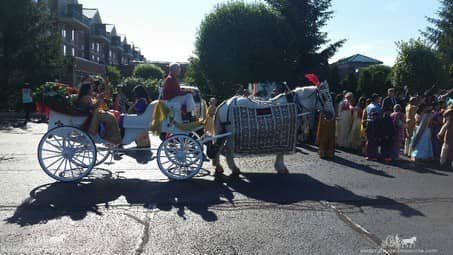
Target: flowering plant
<point>58,97</point>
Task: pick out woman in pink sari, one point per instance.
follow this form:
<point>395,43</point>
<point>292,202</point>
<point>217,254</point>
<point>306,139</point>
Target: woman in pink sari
<point>398,125</point>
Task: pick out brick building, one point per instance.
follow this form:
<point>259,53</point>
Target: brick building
<point>88,43</point>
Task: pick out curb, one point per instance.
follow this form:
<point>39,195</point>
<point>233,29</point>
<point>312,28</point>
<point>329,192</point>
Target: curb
<point>17,115</point>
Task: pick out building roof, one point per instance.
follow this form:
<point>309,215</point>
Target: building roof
<point>89,13</point>
<point>111,29</point>
<point>93,15</point>
<point>358,58</point>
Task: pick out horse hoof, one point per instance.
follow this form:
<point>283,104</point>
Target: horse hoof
<point>219,177</point>
<point>235,174</point>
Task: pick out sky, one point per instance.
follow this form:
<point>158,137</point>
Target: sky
<point>166,30</point>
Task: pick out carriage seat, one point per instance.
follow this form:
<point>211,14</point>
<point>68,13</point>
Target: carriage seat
<point>141,121</point>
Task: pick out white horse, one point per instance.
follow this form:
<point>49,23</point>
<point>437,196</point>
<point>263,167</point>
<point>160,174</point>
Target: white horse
<point>307,99</point>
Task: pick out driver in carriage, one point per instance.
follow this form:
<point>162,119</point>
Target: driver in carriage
<point>89,101</point>
<point>172,91</point>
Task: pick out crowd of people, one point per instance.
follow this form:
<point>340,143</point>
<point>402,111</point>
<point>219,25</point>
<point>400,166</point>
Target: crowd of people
<point>417,126</point>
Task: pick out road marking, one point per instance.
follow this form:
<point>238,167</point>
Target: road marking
<point>355,226</point>
<point>149,215</point>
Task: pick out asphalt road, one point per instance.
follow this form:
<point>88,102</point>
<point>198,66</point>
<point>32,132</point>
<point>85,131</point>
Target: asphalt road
<point>344,206</point>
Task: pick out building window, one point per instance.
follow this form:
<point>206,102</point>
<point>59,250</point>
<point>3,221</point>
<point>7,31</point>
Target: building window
<point>72,34</point>
<point>64,50</point>
<point>97,47</point>
<point>73,52</point>
<point>63,33</point>
<point>92,46</point>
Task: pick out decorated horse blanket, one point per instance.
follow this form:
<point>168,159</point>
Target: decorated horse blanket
<point>263,130</point>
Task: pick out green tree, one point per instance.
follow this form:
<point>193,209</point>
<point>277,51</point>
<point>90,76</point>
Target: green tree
<point>114,75</point>
<point>349,83</point>
<point>306,19</point>
<point>418,67</point>
<point>374,79</point>
<point>30,48</point>
<point>241,43</point>
<point>334,79</point>
<point>441,34</point>
<point>148,71</point>
<point>194,76</point>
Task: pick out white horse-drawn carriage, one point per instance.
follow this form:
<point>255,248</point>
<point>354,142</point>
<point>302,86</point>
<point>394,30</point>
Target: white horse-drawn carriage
<point>68,153</point>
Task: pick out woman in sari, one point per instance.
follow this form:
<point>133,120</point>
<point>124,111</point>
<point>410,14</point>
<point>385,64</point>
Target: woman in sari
<point>422,148</point>
<point>338,99</point>
<point>446,136</point>
<point>363,127</point>
<point>344,121</point>
<point>436,125</point>
<point>326,136</point>
<point>88,102</point>
<point>354,135</point>
<point>411,110</point>
<point>398,126</point>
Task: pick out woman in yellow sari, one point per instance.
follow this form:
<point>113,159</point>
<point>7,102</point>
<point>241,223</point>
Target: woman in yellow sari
<point>88,102</point>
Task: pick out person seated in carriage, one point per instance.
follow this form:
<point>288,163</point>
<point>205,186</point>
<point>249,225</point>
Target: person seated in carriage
<point>172,91</point>
<point>89,101</point>
<point>141,103</point>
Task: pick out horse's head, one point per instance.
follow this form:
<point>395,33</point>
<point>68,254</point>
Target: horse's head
<point>326,99</point>
<point>313,98</point>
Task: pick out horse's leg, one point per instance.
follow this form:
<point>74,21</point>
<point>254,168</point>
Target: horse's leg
<point>280,165</point>
<point>235,171</point>
<point>216,161</point>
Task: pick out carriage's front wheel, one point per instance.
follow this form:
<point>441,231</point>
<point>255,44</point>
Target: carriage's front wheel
<point>180,157</point>
<point>66,154</point>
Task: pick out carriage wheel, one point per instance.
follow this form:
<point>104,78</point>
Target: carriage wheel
<point>67,154</point>
<point>180,157</point>
<point>102,153</point>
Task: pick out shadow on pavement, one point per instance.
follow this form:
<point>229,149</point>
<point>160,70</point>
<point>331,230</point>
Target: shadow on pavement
<point>7,125</point>
<point>419,167</point>
<point>76,200</point>
<point>361,167</point>
<point>293,188</point>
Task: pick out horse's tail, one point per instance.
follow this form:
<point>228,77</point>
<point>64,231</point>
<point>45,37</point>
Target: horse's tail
<point>219,126</point>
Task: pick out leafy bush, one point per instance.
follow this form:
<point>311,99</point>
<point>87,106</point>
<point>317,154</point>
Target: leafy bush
<point>418,67</point>
<point>114,75</point>
<point>151,86</point>
<point>374,79</point>
<point>148,71</point>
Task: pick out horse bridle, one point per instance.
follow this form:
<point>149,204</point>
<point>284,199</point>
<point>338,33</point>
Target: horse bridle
<point>292,97</point>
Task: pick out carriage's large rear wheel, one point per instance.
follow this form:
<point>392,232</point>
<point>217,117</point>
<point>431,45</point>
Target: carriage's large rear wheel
<point>180,157</point>
<point>67,154</point>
